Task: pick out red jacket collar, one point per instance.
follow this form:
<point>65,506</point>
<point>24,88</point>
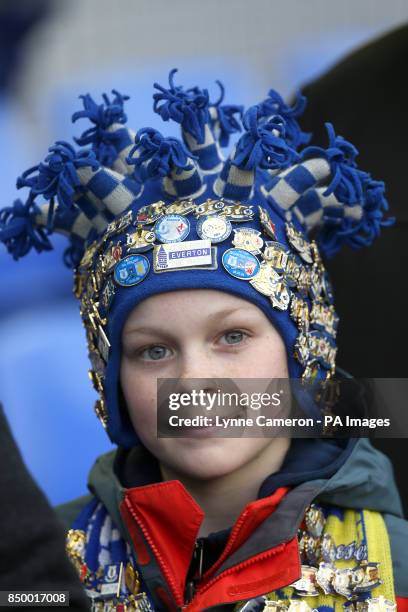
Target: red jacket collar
<point>164,520</point>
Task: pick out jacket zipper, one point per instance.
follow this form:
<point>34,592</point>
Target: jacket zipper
<point>191,585</point>
<point>207,585</point>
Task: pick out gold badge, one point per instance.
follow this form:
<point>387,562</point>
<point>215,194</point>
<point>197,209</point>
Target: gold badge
<point>299,242</point>
<point>209,207</point>
<point>111,257</point>
<point>132,579</point>
<point>118,225</point>
<point>180,207</point>
<point>277,255</point>
<point>266,279</point>
<point>140,240</point>
<point>237,212</point>
<point>248,239</point>
<point>299,312</point>
<point>88,256</point>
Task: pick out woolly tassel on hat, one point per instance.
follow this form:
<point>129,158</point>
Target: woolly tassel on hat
<point>190,108</point>
<point>155,156</point>
<point>275,105</point>
<point>76,178</point>
<point>111,141</point>
<point>27,226</point>
<point>331,197</point>
<point>263,145</point>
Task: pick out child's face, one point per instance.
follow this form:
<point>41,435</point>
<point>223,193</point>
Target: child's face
<point>196,333</point>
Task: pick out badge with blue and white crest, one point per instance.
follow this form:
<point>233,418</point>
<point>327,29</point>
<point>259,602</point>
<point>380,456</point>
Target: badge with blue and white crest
<point>131,270</point>
<point>240,263</point>
<point>172,228</point>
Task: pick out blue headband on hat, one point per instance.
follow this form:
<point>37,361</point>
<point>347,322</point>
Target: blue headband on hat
<point>116,199</point>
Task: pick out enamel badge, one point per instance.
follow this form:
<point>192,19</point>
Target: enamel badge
<point>187,254</point>
<point>248,239</point>
<point>280,297</point>
<point>240,263</point>
<point>131,270</point>
<point>172,228</point>
<point>214,228</point>
<point>266,279</point>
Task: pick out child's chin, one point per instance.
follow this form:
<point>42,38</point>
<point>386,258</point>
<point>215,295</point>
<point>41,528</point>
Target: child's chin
<point>209,458</point>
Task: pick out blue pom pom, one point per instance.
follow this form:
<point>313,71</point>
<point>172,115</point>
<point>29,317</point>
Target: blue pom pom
<point>341,154</point>
<point>275,105</point>
<point>19,230</point>
<point>264,144</point>
<point>102,116</point>
<point>57,176</point>
<point>155,156</point>
<point>188,108</point>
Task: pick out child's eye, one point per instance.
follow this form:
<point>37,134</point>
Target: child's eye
<point>234,337</point>
<point>154,353</point>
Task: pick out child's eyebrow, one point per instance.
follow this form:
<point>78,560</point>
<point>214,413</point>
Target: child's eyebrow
<point>218,315</point>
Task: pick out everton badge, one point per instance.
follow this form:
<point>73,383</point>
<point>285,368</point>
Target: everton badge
<point>131,270</point>
<point>184,255</point>
<point>248,239</point>
<point>240,263</point>
<point>172,228</point>
<point>214,228</point>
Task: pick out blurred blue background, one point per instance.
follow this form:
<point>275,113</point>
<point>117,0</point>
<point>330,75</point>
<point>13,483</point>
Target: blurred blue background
<point>50,52</point>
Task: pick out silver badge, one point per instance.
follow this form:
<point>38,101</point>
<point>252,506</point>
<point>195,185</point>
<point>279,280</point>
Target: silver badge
<point>214,228</point>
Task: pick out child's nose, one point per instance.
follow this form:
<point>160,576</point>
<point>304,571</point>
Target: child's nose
<point>195,362</point>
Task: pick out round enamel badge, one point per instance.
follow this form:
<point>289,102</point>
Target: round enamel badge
<point>240,263</point>
<point>131,270</point>
<point>172,228</point>
<point>214,228</point>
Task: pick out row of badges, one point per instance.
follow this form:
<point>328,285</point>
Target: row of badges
<point>147,215</point>
<point>377,604</point>
<point>348,582</point>
<point>275,274</point>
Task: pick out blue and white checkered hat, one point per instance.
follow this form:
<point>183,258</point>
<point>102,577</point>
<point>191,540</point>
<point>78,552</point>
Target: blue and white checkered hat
<point>123,196</point>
